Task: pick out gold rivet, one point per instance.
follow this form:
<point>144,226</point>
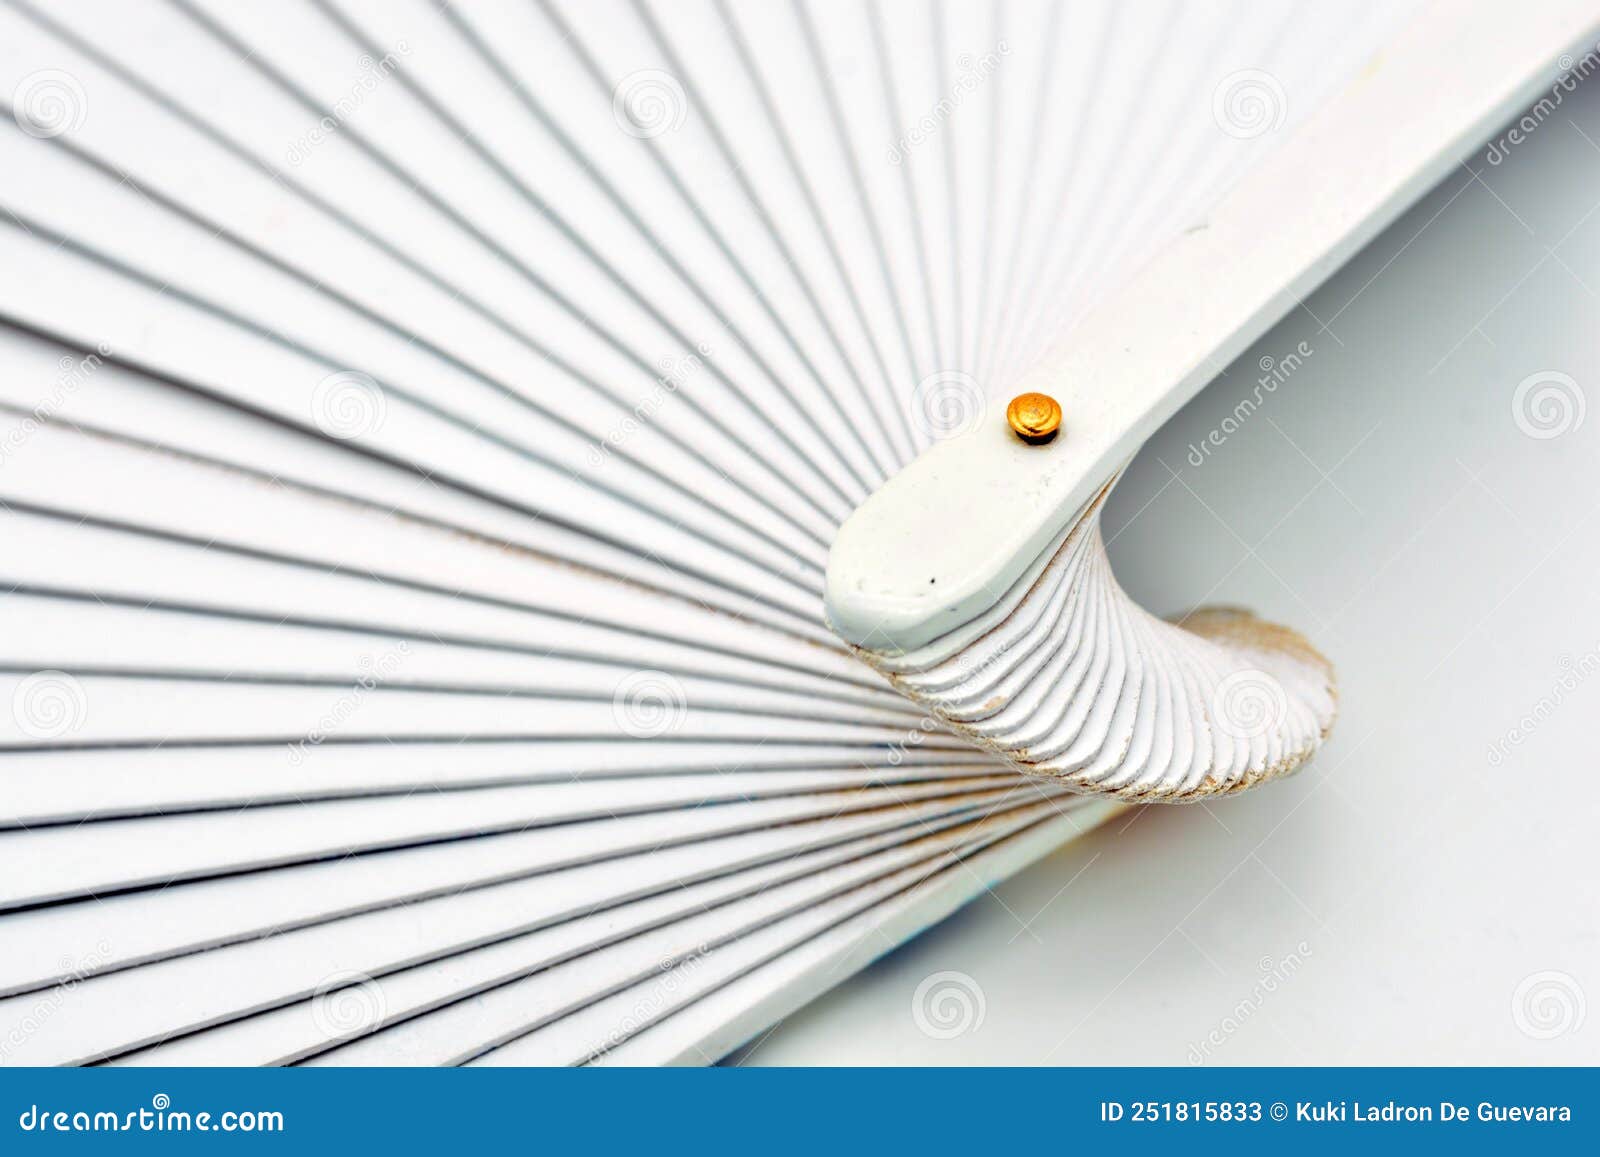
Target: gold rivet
<point>1035,417</point>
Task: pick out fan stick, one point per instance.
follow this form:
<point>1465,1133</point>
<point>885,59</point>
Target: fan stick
<point>292,1032</point>
<point>548,1019</point>
<point>636,854</point>
<point>721,1020</point>
<point>993,606</point>
<point>124,1009</point>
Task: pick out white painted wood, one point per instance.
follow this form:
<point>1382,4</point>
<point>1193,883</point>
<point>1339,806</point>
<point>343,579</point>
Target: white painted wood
<point>554,1018</point>
<point>417,475</point>
<point>584,911</point>
<point>976,577</point>
<point>632,856</point>
<point>729,1016</point>
<point>1066,677</point>
<point>69,787</point>
<point>948,536</point>
<point>193,991</point>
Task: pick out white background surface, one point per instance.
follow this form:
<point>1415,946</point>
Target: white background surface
<point>1386,500</point>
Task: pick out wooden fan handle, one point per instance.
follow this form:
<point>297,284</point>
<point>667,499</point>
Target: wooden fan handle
<point>976,578</point>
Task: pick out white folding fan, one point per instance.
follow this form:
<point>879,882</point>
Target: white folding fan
<point>424,426</point>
